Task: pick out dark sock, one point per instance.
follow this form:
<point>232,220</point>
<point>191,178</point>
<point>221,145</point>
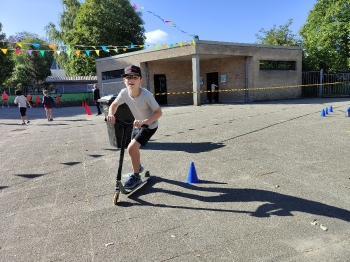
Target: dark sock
<point>137,175</point>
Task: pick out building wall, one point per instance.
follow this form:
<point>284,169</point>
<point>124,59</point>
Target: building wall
<point>228,59</point>
<point>72,87</point>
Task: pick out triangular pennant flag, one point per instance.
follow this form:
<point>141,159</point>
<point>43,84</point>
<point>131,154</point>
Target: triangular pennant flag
<point>116,50</point>
<point>180,44</point>
<point>164,46</point>
<point>58,52</point>
<point>171,45</point>
<point>172,24</point>
<point>167,21</point>
<point>19,44</point>
<point>52,46</point>
<point>42,52</point>
<point>68,52</point>
<point>36,45</point>
<point>104,48</point>
<point>18,51</point>
<point>142,7</point>
<point>97,52</point>
<point>4,51</point>
<point>30,52</point>
<point>87,52</point>
<point>194,42</point>
<point>124,49</point>
<point>77,52</point>
<point>94,47</point>
<point>157,47</point>
<point>132,45</point>
<point>135,6</point>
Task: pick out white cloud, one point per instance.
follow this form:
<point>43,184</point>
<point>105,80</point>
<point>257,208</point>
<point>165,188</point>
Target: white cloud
<point>156,36</point>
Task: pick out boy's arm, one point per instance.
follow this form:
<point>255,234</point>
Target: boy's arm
<point>111,111</point>
<point>156,115</point>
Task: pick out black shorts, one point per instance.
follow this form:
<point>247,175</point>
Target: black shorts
<point>23,110</point>
<point>143,135</point>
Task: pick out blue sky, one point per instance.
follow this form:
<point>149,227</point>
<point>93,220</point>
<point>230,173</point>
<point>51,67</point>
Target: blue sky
<point>222,20</point>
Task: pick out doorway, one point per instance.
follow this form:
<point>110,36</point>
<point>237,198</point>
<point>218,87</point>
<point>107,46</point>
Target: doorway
<point>212,78</point>
<point>160,89</point>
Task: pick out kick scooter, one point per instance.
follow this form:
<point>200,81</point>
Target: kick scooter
<point>119,187</point>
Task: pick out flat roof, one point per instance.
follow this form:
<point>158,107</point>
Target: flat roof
<point>201,42</point>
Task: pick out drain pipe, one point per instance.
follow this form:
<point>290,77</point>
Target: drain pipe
<point>246,78</point>
<point>147,77</point>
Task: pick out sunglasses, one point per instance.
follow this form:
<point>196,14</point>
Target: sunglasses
<point>132,77</point>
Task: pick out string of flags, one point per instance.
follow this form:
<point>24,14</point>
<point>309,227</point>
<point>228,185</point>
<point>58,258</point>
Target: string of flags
<point>88,50</point>
<point>164,20</point>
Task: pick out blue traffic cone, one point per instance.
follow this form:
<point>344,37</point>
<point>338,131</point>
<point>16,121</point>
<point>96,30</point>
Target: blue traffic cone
<point>330,109</point>
<point>347,113</point>
<point>192,175</point>
<point>323,113</point>
<point>326,110</point>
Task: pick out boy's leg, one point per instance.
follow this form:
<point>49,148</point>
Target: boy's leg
<point>140,137</point>
<point>134,153</point>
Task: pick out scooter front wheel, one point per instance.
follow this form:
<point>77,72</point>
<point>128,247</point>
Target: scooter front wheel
<point>115,198</point>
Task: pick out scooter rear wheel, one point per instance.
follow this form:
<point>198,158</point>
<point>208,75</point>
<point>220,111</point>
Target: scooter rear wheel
<point>115,198</point>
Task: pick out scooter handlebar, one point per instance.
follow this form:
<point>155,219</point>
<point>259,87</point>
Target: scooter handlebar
<point>127,123</point>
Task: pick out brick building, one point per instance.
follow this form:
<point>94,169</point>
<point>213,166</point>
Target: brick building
<point>242,72</point>
<point>72,84</point>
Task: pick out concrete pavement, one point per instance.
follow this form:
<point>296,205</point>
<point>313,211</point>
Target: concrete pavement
<point>274,186</point>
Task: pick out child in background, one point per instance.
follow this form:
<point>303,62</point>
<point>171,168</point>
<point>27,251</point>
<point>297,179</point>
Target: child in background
<point>58,100</point>
<point>5,98</point>
<point>37,100</point>
<point>22,102</point>
<point>48,103</point>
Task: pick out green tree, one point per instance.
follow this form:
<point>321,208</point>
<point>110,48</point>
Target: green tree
<point>326,36</point>
<point>281,36</point>
<point>6,62</point>
<point>93,24</point>
<point>32,69</point>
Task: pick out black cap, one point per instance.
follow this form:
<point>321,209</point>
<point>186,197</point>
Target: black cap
<point>132,70</point>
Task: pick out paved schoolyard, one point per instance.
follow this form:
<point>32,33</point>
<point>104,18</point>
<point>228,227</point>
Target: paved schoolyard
<point>274,186</point>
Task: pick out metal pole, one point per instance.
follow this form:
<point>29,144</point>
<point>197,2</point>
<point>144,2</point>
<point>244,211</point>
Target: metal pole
<point>320,94</point>
<point>246,78</point>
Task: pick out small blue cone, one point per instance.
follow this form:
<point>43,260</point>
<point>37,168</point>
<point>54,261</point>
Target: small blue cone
<point>192,175</point>
<point>326,111</point>
<point>330,109</point>
<point>347,113</point>
<point>323,113</point>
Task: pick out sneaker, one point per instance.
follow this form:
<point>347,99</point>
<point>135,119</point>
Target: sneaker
<point>132,182</point>
<point>99,114</point>
<point>23,123</point>
<point>28,122</point>
<point>51,119</point>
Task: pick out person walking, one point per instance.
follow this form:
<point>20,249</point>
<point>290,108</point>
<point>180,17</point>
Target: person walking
<point>145,110</point>
<point>96,98</point>
<point>5,99</point>
<point>22,102</point>
<point>37,100</point>
<point>58,100</point>
<point>48,102</point>
<point>213,86</point>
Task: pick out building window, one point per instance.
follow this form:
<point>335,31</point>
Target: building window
<point>277,65</point>
<point>112,74</point>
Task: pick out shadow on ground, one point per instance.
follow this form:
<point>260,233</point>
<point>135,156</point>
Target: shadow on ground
<point>276,204</point>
